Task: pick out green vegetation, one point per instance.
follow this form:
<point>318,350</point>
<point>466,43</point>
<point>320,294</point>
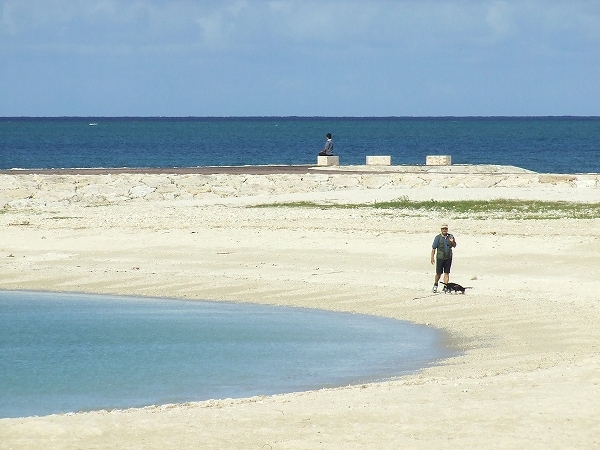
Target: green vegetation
<point>478,209</point>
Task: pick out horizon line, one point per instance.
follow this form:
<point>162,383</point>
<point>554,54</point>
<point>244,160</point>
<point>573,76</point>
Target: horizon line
<point>306,117</point>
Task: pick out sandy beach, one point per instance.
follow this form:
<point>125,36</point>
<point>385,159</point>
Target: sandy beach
<point>528,326</point>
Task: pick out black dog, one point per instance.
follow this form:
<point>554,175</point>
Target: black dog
<point>453,287</point>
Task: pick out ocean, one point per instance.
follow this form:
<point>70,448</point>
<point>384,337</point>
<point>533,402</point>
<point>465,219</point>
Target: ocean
<point>540,144</point>
<point>73,352</point>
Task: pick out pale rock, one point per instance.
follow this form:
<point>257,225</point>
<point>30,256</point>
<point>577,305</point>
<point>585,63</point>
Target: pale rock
<point>167,189</point>
<point>344,181</point>
<point>375,181</point>
<point>140,191</point>
<point>9,182</point>
<point>157,181</point>
<point>27,203</point>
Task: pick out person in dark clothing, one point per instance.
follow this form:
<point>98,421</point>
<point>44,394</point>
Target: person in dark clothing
<point>442,245</point>
<point>328,150</point>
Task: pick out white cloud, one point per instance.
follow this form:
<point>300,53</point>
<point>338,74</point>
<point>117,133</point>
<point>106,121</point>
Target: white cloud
<point>218,27</point>
<point>339,23</point>
<point>500,18</point>
<point>296,52</point>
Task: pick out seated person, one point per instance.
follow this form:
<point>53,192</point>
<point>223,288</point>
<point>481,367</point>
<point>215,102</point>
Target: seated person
<point>328,150</point>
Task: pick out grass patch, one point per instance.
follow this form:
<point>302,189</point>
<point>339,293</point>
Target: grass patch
<point>478,209</point>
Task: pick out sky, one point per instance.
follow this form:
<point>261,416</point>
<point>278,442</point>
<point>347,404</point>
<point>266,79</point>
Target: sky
<point>299,58</point>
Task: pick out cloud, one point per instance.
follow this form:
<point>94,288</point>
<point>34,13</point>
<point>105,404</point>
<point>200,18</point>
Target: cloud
<point>500,18</point>
<point>244,24</point>
<point>293,21</point>
<point>287,56</point>
<point>469,30</point>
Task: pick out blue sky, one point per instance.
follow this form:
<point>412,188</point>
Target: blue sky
<point>305,58</point>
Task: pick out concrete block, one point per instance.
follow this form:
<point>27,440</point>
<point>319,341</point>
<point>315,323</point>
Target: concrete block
<point>328,160</point>
<point>379,160</point>
<point>438,160</point>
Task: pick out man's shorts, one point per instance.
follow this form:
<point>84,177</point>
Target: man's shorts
<point>443,266</point>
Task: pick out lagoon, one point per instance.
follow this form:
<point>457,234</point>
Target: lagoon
<point>64,353</point>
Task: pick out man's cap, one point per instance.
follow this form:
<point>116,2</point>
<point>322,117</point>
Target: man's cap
<point>444,226</point>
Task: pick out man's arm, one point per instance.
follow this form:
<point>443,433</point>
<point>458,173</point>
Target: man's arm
<point>434,246</point>
<point>452,241</point>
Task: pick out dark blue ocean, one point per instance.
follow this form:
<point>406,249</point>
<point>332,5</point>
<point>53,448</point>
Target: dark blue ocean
<point>541,144</point>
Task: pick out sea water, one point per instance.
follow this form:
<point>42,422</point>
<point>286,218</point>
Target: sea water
<point>541,144</point>
<point>70,352</point>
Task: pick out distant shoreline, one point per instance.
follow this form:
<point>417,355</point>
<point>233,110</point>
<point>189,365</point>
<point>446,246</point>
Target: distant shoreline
<point>204,170</point>
<point>290,169</point>
<point>269,169</point>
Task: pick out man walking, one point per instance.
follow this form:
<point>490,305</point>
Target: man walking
<point>442,245</point>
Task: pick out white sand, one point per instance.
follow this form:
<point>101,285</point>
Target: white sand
<point>529,327</point>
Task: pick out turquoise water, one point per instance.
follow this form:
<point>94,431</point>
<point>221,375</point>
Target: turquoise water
<point>72,352</point>
<point>541,144</point>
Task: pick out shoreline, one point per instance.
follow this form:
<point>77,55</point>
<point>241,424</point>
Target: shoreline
<point>436,351</point>
<point>271,169</point>
<point>529,376</point>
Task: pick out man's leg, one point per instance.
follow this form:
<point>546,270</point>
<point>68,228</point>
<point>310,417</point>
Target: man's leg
<point>438,274</point>
<point>447,271</point>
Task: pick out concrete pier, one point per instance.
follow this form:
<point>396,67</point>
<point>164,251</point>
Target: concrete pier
<point>379,160</point>
<point>328,160</point>
<point>438,160</point>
